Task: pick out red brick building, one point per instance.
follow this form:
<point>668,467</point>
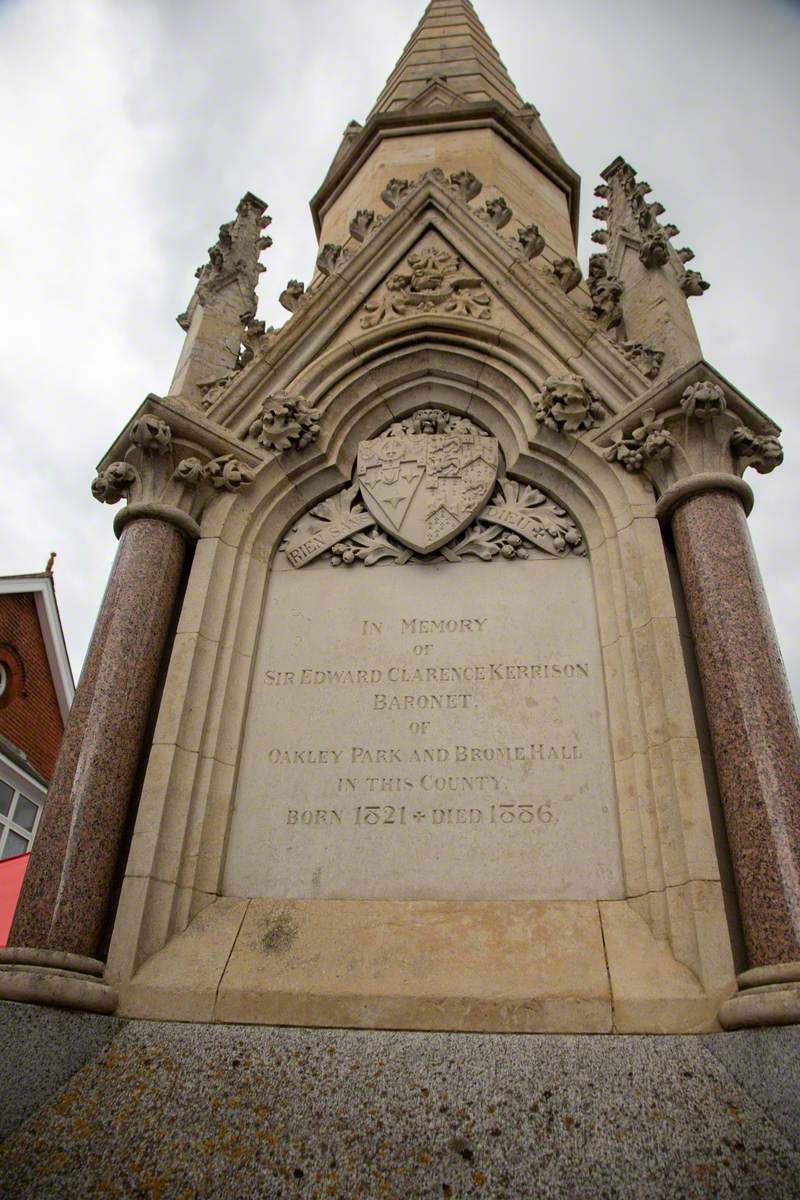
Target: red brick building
<point>36,690</point>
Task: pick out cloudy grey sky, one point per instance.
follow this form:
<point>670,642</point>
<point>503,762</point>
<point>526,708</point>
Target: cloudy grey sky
<point>130,130</point>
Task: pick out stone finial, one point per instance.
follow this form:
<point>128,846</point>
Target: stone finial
<point>606,292</point>
<point>286,422</point>
<point>763,452</point>
<point>569,405</point>
<point>568,273</point>
<point>158,483</point>
<point>233,260</point>
<point>293,295</point>
<point>531,241</point>
<point>223,300</point>
<point>466,185</point>
<point>652,272</point>
<point>631,219</point>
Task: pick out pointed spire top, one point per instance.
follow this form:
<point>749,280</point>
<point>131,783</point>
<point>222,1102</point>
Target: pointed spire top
<point>449,50</point>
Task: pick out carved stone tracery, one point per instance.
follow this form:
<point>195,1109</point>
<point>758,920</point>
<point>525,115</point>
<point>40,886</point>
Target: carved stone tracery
<point>436,281</point>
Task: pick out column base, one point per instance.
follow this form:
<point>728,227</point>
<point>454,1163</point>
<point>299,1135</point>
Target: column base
<point>766,996</point>
<point>55,978</point>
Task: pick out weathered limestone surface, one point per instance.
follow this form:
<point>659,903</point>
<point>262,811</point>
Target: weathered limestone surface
<point>368,771</point>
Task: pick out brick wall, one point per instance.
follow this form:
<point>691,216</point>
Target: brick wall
<point>29,712</point>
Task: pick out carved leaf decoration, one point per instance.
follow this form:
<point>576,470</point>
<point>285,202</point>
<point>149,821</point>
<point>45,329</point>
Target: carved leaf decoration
<point>342,504</point>
<point>478,542</point>
<point>369,547</point>
<point>519,495</point>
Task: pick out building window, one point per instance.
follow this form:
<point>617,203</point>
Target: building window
<point>12,675</point>
<point>19,817</point>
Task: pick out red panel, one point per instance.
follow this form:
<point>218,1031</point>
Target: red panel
<point>12,873</point>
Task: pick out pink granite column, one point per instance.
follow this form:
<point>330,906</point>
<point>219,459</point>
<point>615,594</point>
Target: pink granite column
<point>64,901</point>
<point>752,720</point>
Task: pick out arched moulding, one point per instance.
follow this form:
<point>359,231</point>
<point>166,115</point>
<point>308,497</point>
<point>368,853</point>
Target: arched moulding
<point>669,862</point>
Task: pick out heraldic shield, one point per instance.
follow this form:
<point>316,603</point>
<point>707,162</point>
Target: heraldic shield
<point>427,477</point>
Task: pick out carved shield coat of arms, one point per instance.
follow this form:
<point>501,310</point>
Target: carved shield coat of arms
<point>426,478</point>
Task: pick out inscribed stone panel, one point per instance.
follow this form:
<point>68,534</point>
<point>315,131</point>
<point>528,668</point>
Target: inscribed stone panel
<point>428,731</point>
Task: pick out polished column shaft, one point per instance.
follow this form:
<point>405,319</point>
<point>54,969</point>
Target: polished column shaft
<point>64,901</point>
<point>751,717</point>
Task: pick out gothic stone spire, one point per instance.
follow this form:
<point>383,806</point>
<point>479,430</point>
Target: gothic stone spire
<point>449,47</point>
<point>451,93</point>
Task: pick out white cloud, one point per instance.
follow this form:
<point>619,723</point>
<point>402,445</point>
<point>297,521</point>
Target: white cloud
<point>132,130</point>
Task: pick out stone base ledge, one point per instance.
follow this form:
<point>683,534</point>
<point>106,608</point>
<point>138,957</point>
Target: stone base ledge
<point>62,960</point>
<point>772,1004</point>
<point>499,967</point>
<point>30,984</point>
<point>777,973</point>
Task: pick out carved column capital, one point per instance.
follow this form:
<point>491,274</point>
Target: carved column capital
<point>157,481</point>
<point>690,437</point>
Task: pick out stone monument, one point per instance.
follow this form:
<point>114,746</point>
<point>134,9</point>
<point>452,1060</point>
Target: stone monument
<point>434,686</point>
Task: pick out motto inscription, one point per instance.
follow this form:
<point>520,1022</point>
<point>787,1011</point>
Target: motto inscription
<point>446,738</point>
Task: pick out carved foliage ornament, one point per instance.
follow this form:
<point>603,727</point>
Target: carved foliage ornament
<point>606,292</point>
<point>423,487</point>
<point>644,358</point>
<point>568,273</point>
<point>569,405</point>
<point>436,281</point>
<point>704,400</point>
<point>286,422</point>
<point>650,441</point>
<point>293,295</point>
<point>764,452</point>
